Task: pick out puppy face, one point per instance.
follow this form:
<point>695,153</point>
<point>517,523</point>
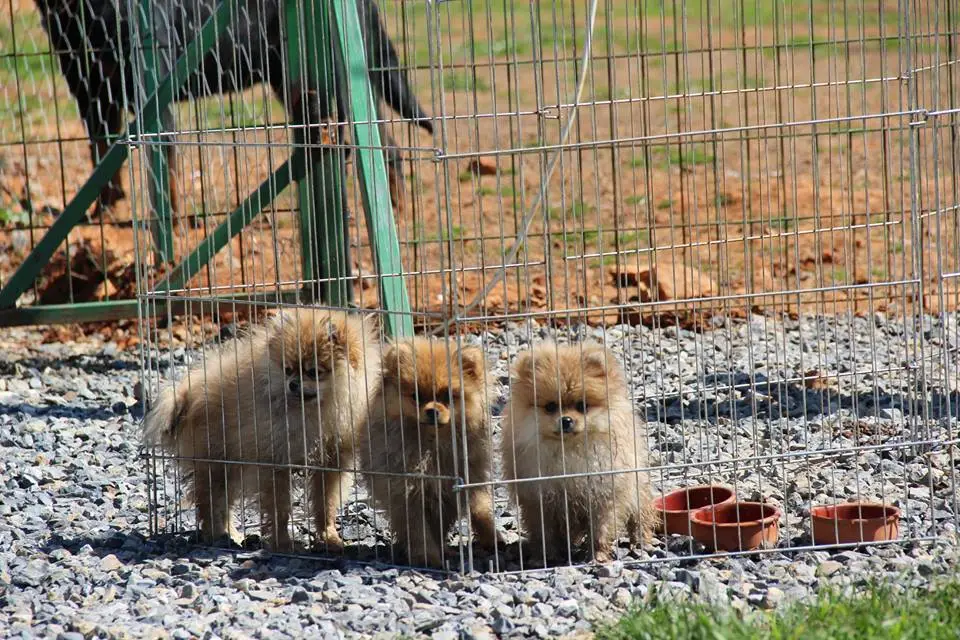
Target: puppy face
<point>310,347</point>
<point>566,391</point>
<point>424,382</point>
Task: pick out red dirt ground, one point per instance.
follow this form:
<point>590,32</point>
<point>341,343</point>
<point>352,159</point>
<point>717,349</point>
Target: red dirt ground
<point>769,168</point>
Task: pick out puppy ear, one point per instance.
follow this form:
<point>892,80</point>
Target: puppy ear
<point>275,326</point>
<point>600,362</point>
<point>473,363</point>
<point>279,319</point>
<point>523,365</point>
<point>334,332</point>
<point>370,322</point>
<point>397,358</point>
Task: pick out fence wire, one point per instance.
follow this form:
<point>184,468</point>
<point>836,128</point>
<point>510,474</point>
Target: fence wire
<point>723,252</point>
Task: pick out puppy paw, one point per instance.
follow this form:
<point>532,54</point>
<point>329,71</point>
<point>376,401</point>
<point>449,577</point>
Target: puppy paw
<point>329,541</point>
<point>603,553</point>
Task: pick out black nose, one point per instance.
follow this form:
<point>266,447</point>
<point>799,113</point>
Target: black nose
<point>294,386</point>
<point>431,415</point>
<point>566,424</point>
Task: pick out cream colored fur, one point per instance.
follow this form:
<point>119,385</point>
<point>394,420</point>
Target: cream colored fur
<point>563,513</point>
<point>238,405</point>
<point>411,429</point>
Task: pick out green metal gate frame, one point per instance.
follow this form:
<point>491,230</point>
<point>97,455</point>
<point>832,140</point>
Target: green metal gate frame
<point>326,36</point>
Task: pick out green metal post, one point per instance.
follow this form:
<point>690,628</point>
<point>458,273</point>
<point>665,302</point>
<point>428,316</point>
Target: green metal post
<point>321,191</point>
<point>370,162</point>
<point>161,226</point>
<point>28,271</point>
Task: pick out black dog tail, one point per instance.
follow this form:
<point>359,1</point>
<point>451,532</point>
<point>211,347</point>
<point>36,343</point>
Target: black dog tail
<point>386,75</point>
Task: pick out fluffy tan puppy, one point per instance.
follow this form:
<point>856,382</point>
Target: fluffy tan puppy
<point>291,392</point>
<point>569,413</point>
<point>417,427</point>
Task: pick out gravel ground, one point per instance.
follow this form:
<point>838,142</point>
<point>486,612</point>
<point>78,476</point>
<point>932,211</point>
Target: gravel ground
<point>788,400</point>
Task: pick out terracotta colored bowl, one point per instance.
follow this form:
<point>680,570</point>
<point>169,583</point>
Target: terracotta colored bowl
<point>676,507</point>
<point>737,526</point>
<point>853,522</point>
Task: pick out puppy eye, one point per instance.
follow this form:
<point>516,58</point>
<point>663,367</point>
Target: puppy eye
<point>414,396</point>
<point>581,406</point>
<point>288,371</point>
<point>312,373</point>
<point>551,407</point>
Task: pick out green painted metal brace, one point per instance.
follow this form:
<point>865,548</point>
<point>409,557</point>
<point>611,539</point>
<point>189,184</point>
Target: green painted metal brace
<point>375,190</point>
<point>320,178</point>
<point>187,64</point>
<point>159,186</point>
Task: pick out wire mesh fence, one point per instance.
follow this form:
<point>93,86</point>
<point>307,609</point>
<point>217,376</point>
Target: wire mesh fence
<point>45,156</point>
<point>751,205</point>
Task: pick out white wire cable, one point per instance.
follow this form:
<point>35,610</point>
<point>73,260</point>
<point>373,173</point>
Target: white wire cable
<point>511,256</point>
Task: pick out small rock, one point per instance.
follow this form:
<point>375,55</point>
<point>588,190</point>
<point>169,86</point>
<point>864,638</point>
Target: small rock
<point>477,632</point>
<point>502,625</point>
<point>610,570</point>
<point>828,567</point>
<point>110,563</point>
<point>299,596</point>
<point>622,598</point>
<point>490,592</point>
<point>568,607</point>
<point>330,596</point>
<point>687,577</point>
<point>772,598</point>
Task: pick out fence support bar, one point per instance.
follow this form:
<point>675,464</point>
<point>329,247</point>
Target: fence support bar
<point>372,171</point>
<point>159,190</point>
<point>80,312</point>
<point>186,64</point>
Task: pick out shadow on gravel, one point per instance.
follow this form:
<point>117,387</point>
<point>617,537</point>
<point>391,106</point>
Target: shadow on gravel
<point>738,395</point>
<point>94,363</point>
<point>72,412</point>
<point>131,548</point>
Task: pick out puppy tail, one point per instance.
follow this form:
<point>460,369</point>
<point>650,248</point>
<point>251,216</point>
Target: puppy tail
<point>160,425</point>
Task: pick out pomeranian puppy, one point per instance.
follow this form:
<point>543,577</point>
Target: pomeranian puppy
<point>430,392</point>
<point>292,392</point>
<point>569,413</point>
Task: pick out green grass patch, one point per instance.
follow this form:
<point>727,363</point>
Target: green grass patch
<point>574,240</point>
<point>10,219</point>
<point>578,209</point>
<point>505,47</point>
<point>453,233</point>
<point>685,154</point>
<point>463,81</point>
<point>723,200</point>
<point>638,160</point>
<point>691,154</point>
<point>784,223</point>
<point>240,111</point>
<point>631,239</point>
<point>635,201</point>
<point>877,612</point>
